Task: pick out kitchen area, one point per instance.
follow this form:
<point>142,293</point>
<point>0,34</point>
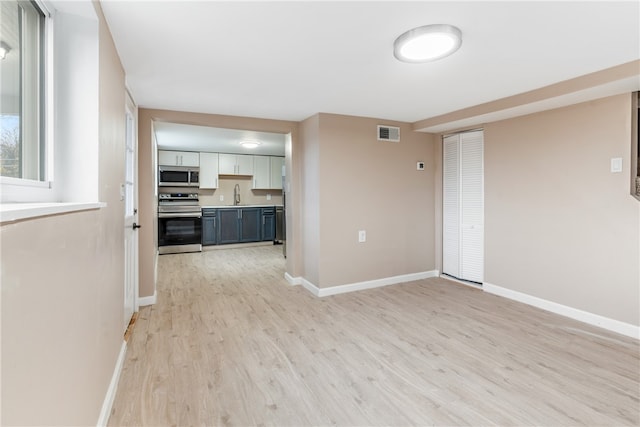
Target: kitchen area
<point>218,187</point>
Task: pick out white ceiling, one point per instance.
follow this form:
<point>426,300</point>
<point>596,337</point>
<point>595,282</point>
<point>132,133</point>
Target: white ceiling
<point>174,136</point>
<point>289,60</point>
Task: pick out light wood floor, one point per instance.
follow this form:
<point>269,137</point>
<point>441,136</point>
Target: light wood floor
<point>230,343</point>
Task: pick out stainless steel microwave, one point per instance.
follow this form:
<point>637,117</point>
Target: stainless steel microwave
<point>178,176</point>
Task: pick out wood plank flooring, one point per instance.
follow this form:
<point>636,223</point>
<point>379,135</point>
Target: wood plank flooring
<point>229,342</point>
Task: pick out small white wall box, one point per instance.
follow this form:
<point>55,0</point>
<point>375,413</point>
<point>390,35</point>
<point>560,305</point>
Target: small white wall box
<point>420,166</point>
<point>616,164</point>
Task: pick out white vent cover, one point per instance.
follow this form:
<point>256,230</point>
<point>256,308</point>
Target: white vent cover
<point>388,133</point>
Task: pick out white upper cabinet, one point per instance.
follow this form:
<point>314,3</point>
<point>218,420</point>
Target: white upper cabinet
<point>277,163</point>
<point>267,173</point>
<point>208,170</point>
<point>178,158</point>
<point>235,164</point>
<point>227,164</point>
<point>245,164</point>
<point>261,172</point>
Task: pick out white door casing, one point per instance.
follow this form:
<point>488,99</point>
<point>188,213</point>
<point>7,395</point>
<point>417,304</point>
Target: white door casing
<point>463,206</point>
<point>130,215</point>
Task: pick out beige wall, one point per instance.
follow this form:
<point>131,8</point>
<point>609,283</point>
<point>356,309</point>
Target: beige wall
<point>147,190</point>
<point>366,184</point>
<point>62,288</point>
<point>559,225</point>
<point>248,196</point>
<point>310,201</point>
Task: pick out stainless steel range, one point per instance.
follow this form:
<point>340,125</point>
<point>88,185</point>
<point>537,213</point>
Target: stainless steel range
<point>179,223</point>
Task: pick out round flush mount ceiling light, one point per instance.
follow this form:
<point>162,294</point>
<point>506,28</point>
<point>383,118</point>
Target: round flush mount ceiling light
<point>427,43</point>
<point>250,144</point>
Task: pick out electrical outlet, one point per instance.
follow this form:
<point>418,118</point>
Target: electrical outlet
<point>362,236</point>
<point>222,198</point>
<point>268,196</point>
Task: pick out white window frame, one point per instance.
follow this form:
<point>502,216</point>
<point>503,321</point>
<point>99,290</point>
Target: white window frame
<point>30,190</point>
<point>72,89</point>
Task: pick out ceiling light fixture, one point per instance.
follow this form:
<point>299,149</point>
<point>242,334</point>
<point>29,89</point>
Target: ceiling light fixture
<point>4,49</point>
<point>427,43</point>
<point>250,143</point>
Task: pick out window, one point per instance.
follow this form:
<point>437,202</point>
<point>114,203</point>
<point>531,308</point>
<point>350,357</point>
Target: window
<point>22,106</point>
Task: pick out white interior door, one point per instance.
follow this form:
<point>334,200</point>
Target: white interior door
<point>451,206</point>
<point>130,218</point>
<point>463,206</point>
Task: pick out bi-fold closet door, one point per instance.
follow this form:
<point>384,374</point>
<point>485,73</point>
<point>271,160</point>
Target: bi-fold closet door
<point>463,206</point>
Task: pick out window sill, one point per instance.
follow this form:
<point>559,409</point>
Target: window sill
<point>10,212</point>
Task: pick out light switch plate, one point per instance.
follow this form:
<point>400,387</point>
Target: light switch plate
<point>362,236</point>
<point>222,197</point>
<point>268,196</point>
<point>616,164</point>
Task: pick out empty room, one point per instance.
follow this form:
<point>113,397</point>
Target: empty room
<point>311,213</point>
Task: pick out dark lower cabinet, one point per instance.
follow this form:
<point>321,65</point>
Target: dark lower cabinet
<point>228,226</point>
<point>268,224</point>
<point>209,227</point>
<point>250,225</point>
<point>238,225</point>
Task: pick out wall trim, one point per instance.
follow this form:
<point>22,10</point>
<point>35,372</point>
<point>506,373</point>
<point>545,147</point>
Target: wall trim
<point>293,281</point>
<point>368,284</point>
<point>109,398</point>
<point>144,301</point>
<point>607,323</point>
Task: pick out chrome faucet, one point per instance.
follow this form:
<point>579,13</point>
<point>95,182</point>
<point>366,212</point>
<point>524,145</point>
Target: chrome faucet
<point>236,195</point>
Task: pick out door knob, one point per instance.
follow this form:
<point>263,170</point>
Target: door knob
<point>136,226</point>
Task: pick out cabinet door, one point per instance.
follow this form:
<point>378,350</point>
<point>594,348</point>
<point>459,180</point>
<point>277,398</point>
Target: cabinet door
<point>277,163</point>
<point>261,172</point>
<point>168,158</point>
<point>188,158</point>
<point>250,230</point>
<point>227,164</point>
<point>268,224</point>
<point>245,164</point>
<point>228,226</point>
<point>209,230</point>
<point>208,170</point>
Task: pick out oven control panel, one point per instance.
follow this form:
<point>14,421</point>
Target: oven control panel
<point>178,196</point>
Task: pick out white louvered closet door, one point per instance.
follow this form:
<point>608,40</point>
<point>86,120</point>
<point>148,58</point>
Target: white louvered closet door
<point>463,204</point>
<point>451,206</point>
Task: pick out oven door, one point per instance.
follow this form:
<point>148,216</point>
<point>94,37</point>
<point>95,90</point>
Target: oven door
<point>179,232</point>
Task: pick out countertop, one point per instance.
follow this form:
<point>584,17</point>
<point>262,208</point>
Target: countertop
<point>239,206</point>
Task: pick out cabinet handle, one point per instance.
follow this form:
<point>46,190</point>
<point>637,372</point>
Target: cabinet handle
<point>214,222</point>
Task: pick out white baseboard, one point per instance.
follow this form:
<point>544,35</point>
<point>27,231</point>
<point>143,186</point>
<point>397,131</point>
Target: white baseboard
<point>617,326</point>
<point>107,404</point>
<point>144,301</point>
<point>369,284</point>
<point>293,281</point>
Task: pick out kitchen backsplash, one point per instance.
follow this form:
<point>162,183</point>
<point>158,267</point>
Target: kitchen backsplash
<point>247,195</point>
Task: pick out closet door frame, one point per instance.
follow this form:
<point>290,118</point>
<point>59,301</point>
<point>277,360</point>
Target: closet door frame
<point>463,206</point>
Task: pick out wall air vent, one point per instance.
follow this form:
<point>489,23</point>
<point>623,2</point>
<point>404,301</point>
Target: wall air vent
<point>388,133</point>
